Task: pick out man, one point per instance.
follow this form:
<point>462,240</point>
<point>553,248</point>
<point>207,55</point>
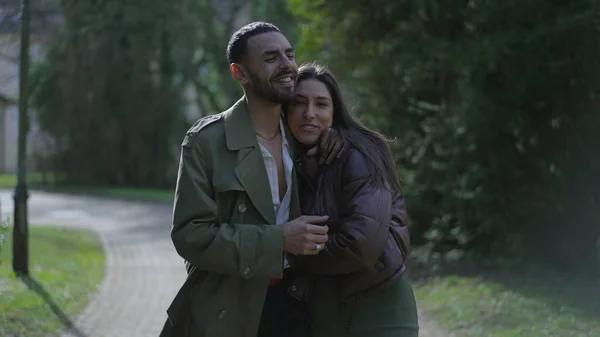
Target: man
<point>236,193</point>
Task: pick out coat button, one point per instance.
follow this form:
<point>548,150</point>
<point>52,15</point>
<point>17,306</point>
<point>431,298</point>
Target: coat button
<point>242,208</point>
<point>294,288</point>
<point>246,271</point>
<point>222,314</point>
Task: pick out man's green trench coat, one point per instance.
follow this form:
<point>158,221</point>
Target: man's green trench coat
<point>224,227</point>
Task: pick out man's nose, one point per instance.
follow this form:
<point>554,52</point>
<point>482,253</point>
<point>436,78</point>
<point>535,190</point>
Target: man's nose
<point>286,63</point>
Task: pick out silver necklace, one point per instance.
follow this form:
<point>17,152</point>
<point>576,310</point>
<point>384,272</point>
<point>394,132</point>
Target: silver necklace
<point>268,138</point>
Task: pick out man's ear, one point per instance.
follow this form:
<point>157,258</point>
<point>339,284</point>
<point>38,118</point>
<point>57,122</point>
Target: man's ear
<point>238,72</point>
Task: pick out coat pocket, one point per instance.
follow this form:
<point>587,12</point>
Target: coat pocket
<point>231,201</point>
<point>234,205</point>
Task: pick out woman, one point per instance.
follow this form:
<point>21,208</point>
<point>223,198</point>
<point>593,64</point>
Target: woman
<point>357,287</point>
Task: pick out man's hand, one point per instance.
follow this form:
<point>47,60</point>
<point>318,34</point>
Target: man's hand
<point>301,236</point>
<point>330,147</point>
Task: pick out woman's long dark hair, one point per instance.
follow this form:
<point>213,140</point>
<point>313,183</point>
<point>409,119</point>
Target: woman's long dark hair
<point>374,146</point>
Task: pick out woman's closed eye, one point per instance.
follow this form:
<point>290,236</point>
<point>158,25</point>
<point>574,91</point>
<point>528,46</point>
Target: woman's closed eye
<point>299,102</point>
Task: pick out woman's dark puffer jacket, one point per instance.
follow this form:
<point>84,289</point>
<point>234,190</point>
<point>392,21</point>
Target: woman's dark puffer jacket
<point>368,236</point>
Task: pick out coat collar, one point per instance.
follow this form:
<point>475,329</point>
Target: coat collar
<point>239,132</point>
<point>250,167</point>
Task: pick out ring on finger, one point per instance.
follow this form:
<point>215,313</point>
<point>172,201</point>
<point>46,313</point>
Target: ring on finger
<point>318,246</point>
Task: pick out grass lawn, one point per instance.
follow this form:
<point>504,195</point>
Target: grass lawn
<point>531,304</point>
<point>35,181</point>
<point>66,267</point>
<point>119,192</point>
<point>10,180</point>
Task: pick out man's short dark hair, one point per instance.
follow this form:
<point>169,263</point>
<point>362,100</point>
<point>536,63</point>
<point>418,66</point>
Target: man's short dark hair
<point>238,43</point>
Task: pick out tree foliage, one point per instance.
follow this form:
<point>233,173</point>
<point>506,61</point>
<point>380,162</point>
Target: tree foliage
<point>493,106</point>
<point>108,93</point>
<point>112,94</point>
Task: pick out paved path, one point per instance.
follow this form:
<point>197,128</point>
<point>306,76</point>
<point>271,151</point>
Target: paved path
<point>143,271</point>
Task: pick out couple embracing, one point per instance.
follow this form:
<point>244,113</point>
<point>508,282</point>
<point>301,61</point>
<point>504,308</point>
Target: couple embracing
<point>288,212</point>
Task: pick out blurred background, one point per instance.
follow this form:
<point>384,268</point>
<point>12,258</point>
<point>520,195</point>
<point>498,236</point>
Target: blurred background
<point>494,108</point>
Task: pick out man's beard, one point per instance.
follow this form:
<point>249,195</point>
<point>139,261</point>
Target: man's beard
<point>279,96</point>
<point>271,94</point>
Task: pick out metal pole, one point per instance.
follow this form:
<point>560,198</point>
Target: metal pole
<point>20,233</point>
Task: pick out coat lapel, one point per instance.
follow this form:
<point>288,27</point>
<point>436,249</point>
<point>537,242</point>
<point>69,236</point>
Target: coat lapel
<point>250,168</point>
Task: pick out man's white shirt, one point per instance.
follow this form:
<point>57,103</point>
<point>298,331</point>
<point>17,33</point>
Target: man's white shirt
<point>281,208</point>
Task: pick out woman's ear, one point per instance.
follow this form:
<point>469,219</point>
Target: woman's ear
<point>238,73</point>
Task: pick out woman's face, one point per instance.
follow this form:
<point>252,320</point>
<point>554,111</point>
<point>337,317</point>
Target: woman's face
<point>311,112</point>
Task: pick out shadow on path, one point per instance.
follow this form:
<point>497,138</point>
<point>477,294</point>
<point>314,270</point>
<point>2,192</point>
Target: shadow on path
<point>33,285</point>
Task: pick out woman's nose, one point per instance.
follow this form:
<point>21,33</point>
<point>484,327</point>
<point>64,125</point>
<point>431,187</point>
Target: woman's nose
<point>309,113</point>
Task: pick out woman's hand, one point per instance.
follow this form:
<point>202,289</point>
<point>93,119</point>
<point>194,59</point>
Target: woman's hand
<point>331,146</point>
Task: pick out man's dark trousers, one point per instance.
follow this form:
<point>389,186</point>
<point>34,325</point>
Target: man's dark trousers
<point>283,315</point>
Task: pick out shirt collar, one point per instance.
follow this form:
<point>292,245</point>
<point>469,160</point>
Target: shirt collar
<point>282,128</point>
